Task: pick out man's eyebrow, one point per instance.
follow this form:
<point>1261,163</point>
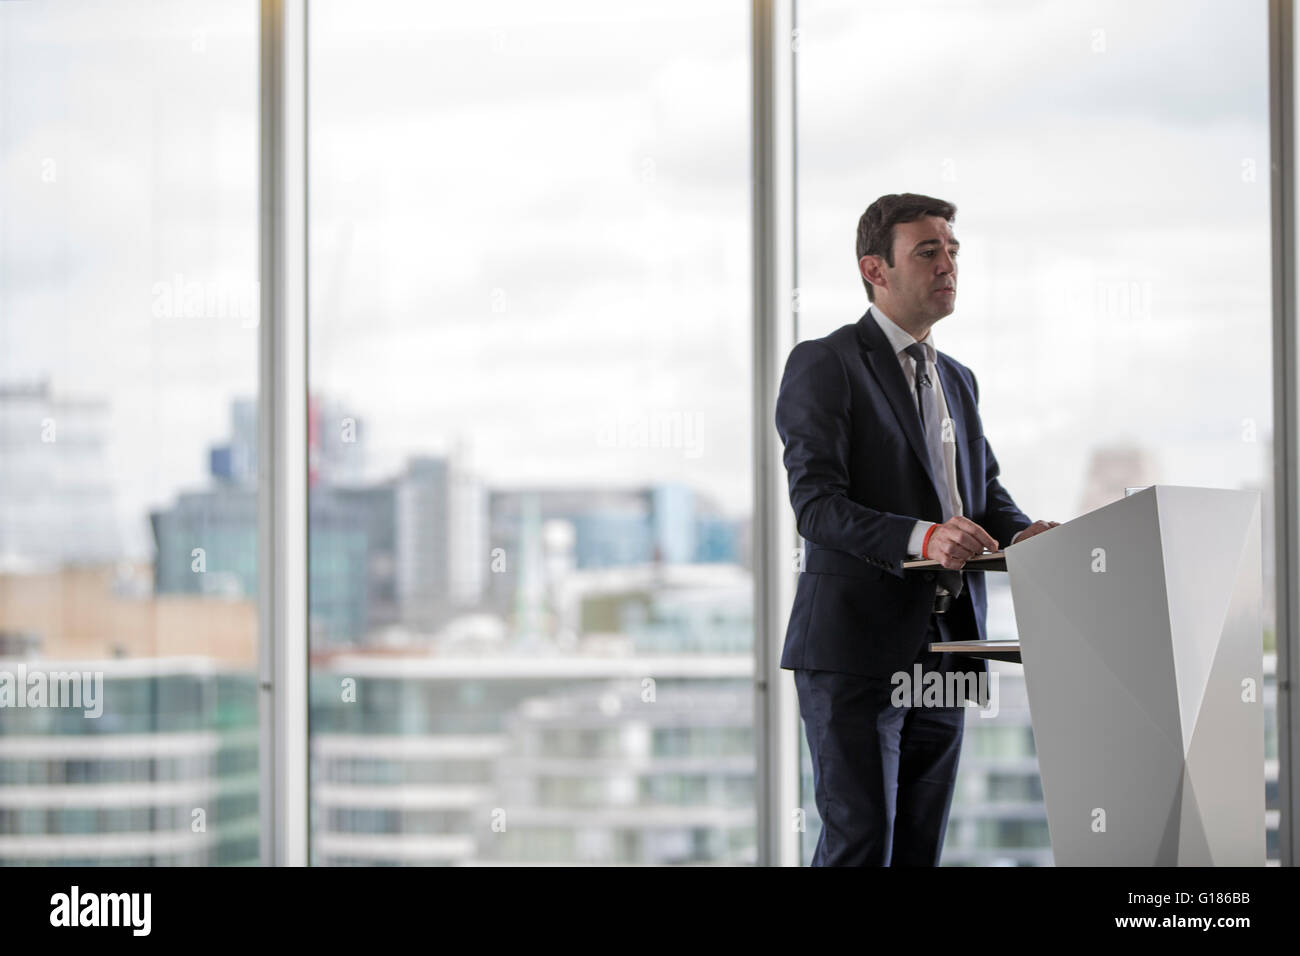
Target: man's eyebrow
<point>926,242</point>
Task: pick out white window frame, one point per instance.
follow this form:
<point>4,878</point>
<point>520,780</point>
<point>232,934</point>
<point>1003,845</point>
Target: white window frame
<point>1286,416</point>
<point>282,433</point>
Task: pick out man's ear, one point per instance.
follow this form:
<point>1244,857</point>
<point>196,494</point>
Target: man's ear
<point>872,268</point>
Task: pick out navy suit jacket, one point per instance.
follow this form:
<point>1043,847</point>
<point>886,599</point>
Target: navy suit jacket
<point>860,479</point>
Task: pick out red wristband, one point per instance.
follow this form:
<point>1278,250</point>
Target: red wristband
<point>926,540</point>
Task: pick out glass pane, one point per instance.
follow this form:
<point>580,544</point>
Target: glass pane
<point>1109,162</point>
<point>128,381</point>
<point>531,489</point>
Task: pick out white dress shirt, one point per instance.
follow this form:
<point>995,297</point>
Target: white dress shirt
<point>899,338</point>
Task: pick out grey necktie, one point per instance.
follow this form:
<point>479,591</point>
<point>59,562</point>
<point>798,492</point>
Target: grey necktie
<point>927,403</point>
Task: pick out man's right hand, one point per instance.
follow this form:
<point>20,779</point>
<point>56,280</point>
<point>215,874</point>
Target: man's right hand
<point>956,540</point>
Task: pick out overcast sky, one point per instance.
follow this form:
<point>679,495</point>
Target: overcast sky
<point>530,224</point>
<point>1109,162</point>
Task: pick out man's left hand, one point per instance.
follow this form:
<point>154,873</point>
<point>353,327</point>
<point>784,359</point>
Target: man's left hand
<point>1038,527</point>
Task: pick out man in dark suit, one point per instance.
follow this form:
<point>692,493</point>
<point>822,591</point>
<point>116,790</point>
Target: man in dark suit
<point>887,461</point>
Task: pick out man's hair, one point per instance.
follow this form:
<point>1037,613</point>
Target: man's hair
<point>876,227</point>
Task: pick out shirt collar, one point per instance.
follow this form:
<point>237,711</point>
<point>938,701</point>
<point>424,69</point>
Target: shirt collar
<point>899,337</point>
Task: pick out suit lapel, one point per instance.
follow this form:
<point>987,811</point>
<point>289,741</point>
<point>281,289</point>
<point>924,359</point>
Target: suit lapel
<point>882,361</point>
<point>953,396</point>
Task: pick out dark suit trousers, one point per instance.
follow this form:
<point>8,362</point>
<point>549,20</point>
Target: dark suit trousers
<point>883,775</point>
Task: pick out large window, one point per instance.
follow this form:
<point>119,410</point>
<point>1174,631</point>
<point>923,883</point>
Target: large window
<point>531,622</point>
<point>128,433</point>
<point>1109,162</point>
<point>530,303</point>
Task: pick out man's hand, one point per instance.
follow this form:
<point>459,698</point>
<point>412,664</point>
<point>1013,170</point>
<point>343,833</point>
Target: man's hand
<point>956,540</point>
<point>1038,527</point>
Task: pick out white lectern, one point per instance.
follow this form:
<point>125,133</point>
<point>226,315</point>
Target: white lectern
<point>1141,638</point>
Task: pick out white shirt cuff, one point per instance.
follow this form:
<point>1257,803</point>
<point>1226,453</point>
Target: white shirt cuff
<point>917,537</point>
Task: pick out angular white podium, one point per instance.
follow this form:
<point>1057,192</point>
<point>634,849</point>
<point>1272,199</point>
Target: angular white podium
<point>1142,642</point>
